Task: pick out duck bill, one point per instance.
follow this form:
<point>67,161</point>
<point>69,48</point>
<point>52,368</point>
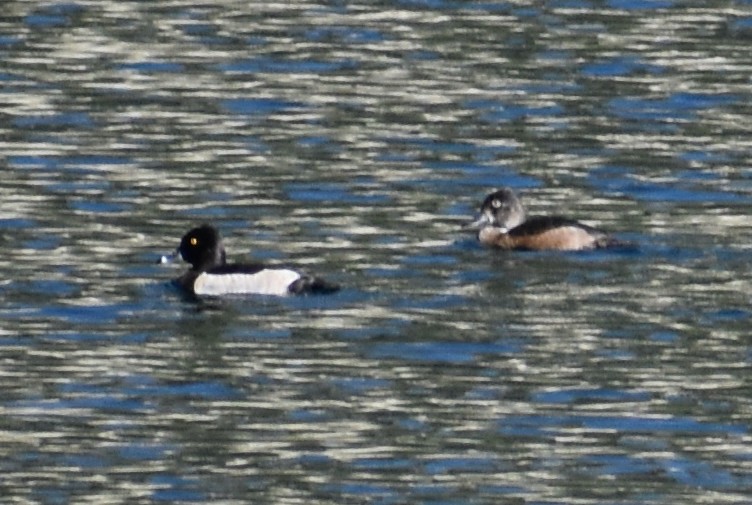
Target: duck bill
<point>482,221</point>
<point>169,258</point>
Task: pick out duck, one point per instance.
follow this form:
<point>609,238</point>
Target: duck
<point>503,223</point>
<point>211,275</point>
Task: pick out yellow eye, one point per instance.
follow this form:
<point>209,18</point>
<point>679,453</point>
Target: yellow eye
<point>194,241</point>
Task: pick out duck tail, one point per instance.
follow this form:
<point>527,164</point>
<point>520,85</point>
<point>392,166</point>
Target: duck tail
<point>608,242</point>
<point>313,285</point>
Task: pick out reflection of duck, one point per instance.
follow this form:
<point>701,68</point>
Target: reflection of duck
<point>503,224</point>
<point>211,275</point>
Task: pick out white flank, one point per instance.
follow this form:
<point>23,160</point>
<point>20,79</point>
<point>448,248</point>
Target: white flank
<point>265,282</point>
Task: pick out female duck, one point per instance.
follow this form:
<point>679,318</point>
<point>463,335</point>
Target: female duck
<point>211,275</point>
<point>503,224</point>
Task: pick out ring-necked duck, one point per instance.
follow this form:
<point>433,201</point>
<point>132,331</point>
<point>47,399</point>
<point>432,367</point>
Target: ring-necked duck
<point>211,275</point>
<point>503,224</point>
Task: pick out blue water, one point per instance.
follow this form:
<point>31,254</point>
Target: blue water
<point>353,141</point>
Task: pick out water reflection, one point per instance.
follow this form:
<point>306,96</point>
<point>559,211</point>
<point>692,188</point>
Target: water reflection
<point>353,140</point>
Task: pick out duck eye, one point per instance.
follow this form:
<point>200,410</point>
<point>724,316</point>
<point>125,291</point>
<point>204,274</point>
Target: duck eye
<point>496,203</point>
<point>194,241</point>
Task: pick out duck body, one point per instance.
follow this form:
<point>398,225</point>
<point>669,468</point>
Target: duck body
<point>211,275</point>
<point>503,224</point>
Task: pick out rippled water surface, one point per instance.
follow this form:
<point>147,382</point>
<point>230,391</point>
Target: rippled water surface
<point>353,139</point>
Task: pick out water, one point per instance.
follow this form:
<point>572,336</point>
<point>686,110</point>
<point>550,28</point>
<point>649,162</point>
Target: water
<point>352,140</point>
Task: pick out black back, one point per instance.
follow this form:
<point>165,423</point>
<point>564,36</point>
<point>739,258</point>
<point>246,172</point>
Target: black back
<point>540,224</point>
<point>243,268</point>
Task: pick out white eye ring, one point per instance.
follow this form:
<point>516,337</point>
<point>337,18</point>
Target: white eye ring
<point>496,203</point>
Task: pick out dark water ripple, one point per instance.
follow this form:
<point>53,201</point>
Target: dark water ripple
<point>352,139</point>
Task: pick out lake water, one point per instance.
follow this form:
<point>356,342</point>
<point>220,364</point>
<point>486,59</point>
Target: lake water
<point>352,139</point>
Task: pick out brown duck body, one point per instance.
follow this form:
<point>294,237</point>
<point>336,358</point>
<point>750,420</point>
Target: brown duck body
<point>502,223</point>
<point>546,233</point>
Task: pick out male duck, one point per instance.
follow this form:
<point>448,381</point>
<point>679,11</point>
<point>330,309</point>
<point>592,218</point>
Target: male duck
<point>211,275</point>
